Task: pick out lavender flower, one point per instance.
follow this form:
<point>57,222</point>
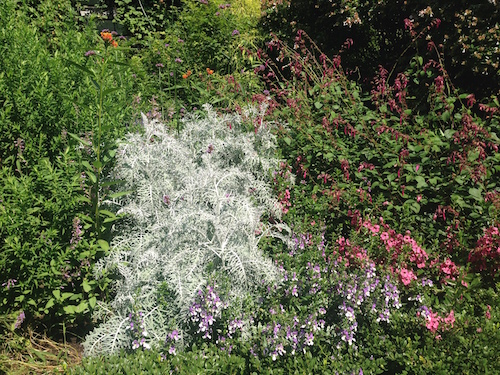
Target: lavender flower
<point>178,60</point>
<point>20,320</point>
<point>235,32</point>
<point>10,283</point>
<point>159,65</point>
<point>90,53</point>
<point>77,233</point>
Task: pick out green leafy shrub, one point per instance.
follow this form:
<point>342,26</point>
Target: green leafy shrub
<point>468,33</point>
<point>143,18</point>
<point>45,268</point>
<point>45,196</point>
<point>424,161</point>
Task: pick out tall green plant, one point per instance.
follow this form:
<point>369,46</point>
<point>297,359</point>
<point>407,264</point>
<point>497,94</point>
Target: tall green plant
<point>100,143</point>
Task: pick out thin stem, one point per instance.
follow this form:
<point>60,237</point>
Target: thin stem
<point>98,151</point>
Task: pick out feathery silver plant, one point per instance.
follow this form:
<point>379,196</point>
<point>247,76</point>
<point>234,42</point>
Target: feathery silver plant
<point>197,206</point>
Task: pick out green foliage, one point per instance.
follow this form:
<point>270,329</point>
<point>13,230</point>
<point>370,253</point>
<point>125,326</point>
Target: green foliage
<point>416,159</point>
<point>45,198</point>
<point>467,31</point>
<point>141,18</point>
<point>41,256</point>
<point>413,152</point>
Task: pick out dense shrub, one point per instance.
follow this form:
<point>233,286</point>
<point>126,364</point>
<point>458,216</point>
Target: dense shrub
<point>467,31</point>
<point>45,196</point>
<point>415,154</point>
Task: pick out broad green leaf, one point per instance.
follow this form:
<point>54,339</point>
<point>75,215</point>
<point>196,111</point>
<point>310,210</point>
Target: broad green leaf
<point>70,310</point>
<point>420,182</point>
<point>445,116</point>
<point>92,176</point>
<point>87,165</point>
<point>92,301</point>
<point>476,194</point>
<point>81,307</point>
<point>318,105</point>
<point>67,295</point>
<point>57,294</point>
<point>103,244</point>
<point>49,303</point>
<point>107,213</point>
<point>86,287</point>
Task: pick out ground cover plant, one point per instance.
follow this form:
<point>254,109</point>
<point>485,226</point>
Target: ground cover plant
<point>341,226</point>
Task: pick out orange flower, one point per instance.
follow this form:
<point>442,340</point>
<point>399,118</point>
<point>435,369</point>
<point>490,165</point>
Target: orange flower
<point>114,43</point>
<point>106,36</point>
<point>210,71</point>
<point>187,74</point>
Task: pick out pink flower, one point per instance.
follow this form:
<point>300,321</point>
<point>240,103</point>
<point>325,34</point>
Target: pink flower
<point>407,276</point>
<point>488,314</point>
<point>450,319</point>
<point>433,322</point>
<point>384,236</point>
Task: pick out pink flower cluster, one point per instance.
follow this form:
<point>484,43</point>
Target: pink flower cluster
<point>449,269</point>
<point>394,242</point>
<point>407,276</point>
<point>351,254</point>
<point>434,321</point>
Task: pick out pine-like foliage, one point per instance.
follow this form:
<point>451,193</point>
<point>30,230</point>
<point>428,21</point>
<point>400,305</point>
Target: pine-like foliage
<point>195,212</point>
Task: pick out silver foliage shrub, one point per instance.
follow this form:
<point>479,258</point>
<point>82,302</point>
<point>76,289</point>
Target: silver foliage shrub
<point>196,208</point>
